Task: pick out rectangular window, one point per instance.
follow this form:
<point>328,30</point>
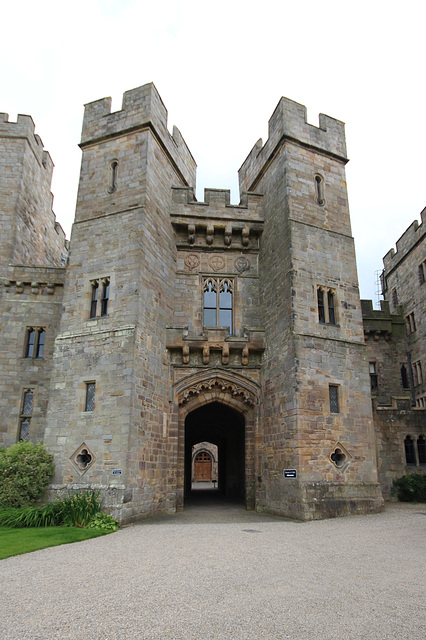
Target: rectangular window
<point>422,272</point>
<point>99,301</point>
<point>333,391</point>
<point>218,302</point>
<point>410,324</point>
<point>105,298</point>
<point>90,396</point>
<point>326,305</point>
<point>417,373</point>
<point>394,297</point>
<point>26,413</point>
<point>34,346</point>
<point>373,376</point>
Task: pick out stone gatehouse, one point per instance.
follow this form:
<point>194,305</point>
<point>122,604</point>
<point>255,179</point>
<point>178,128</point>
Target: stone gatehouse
<point>166,322</point>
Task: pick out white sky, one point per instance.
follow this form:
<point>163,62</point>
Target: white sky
<point>220,69</point>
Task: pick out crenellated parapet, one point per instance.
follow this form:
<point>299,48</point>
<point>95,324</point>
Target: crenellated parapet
<point>215,222</point>
<point>289,122</point>
<point>141,108</point>
<point>24,127</point>
<point>381,323</point>
<point>409,239</point>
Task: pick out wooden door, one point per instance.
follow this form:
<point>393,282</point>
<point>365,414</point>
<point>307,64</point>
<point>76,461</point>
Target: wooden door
<point>203,467</point>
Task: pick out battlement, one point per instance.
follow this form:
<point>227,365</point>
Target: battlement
<point>381,322</point>
<point>289,122</point>
<point>218,200</point>
<point>141,107</point>
<point>24,127</point>
<point>406,242</point>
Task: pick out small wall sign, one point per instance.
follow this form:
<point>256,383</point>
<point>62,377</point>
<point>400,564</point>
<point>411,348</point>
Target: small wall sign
<point>116,472</point>
<point>290,473</point>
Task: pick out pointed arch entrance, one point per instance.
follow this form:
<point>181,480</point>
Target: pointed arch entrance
<point>218,407</point>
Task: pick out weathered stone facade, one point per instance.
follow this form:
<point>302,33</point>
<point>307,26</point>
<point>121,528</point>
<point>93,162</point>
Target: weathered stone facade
<point>177,323</point>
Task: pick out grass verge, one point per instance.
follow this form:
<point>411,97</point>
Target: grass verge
<point>14,542</point>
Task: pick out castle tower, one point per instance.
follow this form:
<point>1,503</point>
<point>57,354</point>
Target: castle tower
<point>109,403</point>
<point>316,413</point>
<point>33,252</point>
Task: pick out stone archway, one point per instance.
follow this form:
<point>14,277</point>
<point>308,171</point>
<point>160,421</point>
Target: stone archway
<point>239,398</point>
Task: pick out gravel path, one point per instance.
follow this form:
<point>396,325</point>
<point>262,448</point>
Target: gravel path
<point>222,572</point>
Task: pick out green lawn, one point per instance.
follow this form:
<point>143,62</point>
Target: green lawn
<point>13,542</point>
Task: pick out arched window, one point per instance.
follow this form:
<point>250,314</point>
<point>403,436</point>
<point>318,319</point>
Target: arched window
<point>94,301</point>
<point>225,305</point>
<point>421,449</point>
<point>113,177</point>
<point>319,190</point>
<point>210,303</point>
<point>105,298</point>
<point>410,454</point>
<point>404,377</point>
<point>40,343</point>
<point>31,336</point>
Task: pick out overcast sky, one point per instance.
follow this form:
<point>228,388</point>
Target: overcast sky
<point>220,69</point>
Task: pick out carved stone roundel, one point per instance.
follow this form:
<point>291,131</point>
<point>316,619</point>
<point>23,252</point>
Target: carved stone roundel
<point>192,261</point>
<point>217,263</point>
<point>242,264</point>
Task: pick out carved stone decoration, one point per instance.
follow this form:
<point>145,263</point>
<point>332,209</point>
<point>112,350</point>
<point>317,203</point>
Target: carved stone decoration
<point>245,234</point>
<point>217,263</point>
<point>340,457</point>
<point>206,354</point>
<point>242,264</point>
<point>50,288</point>
<point>245,356</point>
<point>185,354</point>
<point>225,353</point>
<point>19,287</point>
<point>191,233</point>
<point>192,262</point>
<point>209,233</point>
<point>228,235</point>
<point>218,383</point>
<point>82,458</point>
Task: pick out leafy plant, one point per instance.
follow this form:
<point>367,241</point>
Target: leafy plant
<point>25,471</point>
<point>78,509</point>
<point>45,516</point>
<point>103,521</point>
<point>410,488</point>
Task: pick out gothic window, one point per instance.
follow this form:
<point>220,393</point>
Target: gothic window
<point>217,302</point>
<point>417,373</point>
<point>333,391</point>
<point>421,449</point>
<point>373,376</point>
<point>404,377</point>
<point>90,396</point>
<point>326,305</point>
<point>34,346</point>
<point>410,454</point>
<point>94,301</point>
<point>410,324</point>
<point>99,302</point>
<point>105,298</point>
<point>394,297</point>
<point>31,336</point>
<point>113,176</point>
<point>319,190</point>
<point>26,413</point>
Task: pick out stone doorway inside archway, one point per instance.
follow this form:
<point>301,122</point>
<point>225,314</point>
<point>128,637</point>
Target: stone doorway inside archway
<point>224,428</point>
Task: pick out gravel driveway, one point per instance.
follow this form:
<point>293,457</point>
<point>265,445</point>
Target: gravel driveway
<point>222,572</point>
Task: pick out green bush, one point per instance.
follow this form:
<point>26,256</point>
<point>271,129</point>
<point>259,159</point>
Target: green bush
<point>103,521</point>
<point>78,509</point>
<point>411,488</point>
<point>25,471</point>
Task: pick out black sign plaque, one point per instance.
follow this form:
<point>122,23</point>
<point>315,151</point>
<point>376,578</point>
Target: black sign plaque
<point>290,473</point>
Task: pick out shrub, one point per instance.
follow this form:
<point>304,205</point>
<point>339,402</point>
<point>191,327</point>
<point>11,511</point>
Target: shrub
<point>103,521</point>
<point>25,471</point>
<point>48,515</point>
<point>411,488</point>
<point>78,509</point>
